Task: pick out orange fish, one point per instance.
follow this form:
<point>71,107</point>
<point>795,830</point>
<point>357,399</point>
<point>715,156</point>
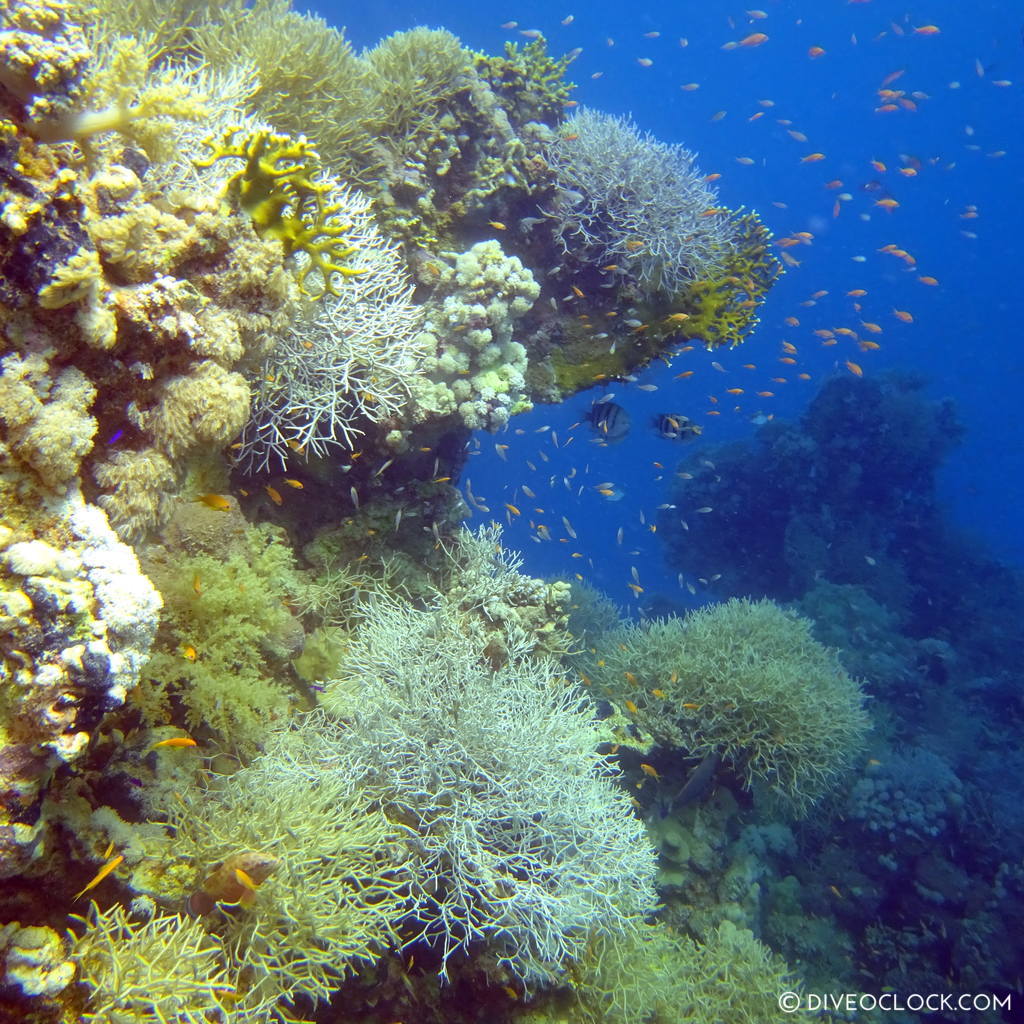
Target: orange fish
<point>233,881</point>
<point>215,501</point>
<point>927,30</point>
<point>812,158</point>
<point>754,39</point>
<point>275,495</point>
<point>887,204</point>
<point>175,741</point>
<point>854,368</point>
<point>630,707</point>
<point>650,771</point>
<point>902,314</point>
<point>931,281</point>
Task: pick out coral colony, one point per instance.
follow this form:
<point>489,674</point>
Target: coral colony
<point>280,739</point>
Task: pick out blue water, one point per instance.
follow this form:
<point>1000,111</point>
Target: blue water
<point>963,137</point>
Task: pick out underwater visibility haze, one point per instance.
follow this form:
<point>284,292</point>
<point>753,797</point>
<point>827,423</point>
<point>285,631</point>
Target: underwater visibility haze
<point>511,514</point>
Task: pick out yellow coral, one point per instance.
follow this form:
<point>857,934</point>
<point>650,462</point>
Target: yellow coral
<point>279,189</point>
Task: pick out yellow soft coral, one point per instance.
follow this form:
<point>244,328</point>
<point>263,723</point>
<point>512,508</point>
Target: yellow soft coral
<point>279,189</point>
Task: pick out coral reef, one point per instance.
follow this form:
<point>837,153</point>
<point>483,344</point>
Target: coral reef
<point>238,259</point>
<point>221,655</point>
<point>165,968</point>
<point>343,363</point>
<point>865,450</point>
<point>621,197</point>
<point>474,369</point>
<point>905,804</point>
<point>282,188</point>
<point>742,681</point>
<point>650,974</point>
<point>339,887</point>
<point>36,960</point>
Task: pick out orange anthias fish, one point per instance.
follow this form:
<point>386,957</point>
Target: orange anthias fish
<point>219,502</point>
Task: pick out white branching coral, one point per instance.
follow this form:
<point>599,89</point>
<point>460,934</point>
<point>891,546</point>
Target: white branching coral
<point>625,198</point>
<point>522,840</point>
<point>348,360</point>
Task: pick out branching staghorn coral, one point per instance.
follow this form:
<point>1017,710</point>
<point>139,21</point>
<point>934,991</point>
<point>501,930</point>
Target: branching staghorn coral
<point>500,607</point>
<point>647,973</point>
<point>521,841</point>
<point>339,885</point>
<point>622,197</point>
<point>166,968</point>
<point>347,360</point>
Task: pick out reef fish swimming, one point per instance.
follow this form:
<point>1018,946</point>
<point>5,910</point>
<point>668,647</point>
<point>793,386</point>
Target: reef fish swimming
<point>609,420</point>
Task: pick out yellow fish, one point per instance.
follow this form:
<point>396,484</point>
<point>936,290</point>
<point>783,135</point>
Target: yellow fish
<point>101,874</point>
